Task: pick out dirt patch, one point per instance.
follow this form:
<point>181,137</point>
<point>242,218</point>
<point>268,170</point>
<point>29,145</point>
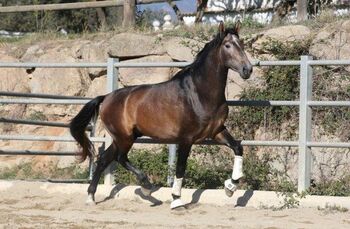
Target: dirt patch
<point>28,206</point>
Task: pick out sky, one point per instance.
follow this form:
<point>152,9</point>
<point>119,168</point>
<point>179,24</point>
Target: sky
<point>185,6</point>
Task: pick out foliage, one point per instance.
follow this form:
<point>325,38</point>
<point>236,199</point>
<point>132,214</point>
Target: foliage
<point>37,116</point>
<point>279,83</point>
<point>71,20</point>
<point>332,209</point>
<point>155,165</point>
<point>28,170</point>
<point>290,199</point>
<point>340,187</point>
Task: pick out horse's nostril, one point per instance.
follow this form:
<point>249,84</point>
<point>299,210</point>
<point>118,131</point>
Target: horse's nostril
<point>247,70</point>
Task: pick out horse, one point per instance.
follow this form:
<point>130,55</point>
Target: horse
<point>187,109</point>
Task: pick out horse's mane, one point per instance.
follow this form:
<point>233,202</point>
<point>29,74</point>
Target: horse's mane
<point>201,56</point>
<point>210,45</point>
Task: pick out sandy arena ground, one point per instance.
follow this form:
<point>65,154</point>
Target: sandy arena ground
<point>26,205</point>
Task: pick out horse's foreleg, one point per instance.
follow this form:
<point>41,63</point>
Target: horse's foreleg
<point>102,162</point>
<point>181,164</point>
<point>225,137</point>
<point>146,186</point>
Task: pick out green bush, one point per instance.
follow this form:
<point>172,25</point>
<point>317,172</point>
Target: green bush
<point>29,171</point>
<point>340,187</point>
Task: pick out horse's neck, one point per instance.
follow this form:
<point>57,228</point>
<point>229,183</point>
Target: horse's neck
<point>211,80</point>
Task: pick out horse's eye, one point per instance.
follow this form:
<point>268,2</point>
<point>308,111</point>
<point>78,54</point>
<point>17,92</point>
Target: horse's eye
<point>228,46</point>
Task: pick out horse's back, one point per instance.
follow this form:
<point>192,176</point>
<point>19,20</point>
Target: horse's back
<point>151,110</point>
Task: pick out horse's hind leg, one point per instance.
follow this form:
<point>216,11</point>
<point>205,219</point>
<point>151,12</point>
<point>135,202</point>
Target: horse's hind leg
<point>237,171</point>
<point>146,185</point>
<point>104,159</point>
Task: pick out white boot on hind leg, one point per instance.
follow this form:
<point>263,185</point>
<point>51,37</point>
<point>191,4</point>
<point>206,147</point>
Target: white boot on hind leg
<point>90,200</point>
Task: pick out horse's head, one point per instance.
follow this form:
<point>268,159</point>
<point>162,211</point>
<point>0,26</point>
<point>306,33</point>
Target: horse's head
<point>231,50</point>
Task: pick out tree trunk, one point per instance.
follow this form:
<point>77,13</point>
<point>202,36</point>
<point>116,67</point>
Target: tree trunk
<point>177,10</point>
<point>129,13</point>
<point>201,6</point>
<point>302,10</point>
<point>101,16</point>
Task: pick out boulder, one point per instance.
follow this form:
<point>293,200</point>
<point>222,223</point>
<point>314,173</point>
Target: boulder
<point>128,45</point>
<point>59,81</point>
<point>92,52</point>
<point>332,43</point>
<point>283,33</point>
<point>13,79</point>
<point>179,49</point>
<point>97,87</point>
<point>137,76</point>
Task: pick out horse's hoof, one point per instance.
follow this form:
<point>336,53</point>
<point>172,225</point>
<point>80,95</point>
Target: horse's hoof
<point>228,192</point>
<point>145,191</point>
<point>230,187</point>
<point>176,204</point>
<point>90,201</point>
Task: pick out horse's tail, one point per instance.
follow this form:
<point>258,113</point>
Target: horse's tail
<point>79,123</point>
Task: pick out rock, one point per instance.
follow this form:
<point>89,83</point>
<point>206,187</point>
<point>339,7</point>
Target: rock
<point>32,53</point>
<point>127,45</point>
<point>60,81</point>
<point>177,49</point>
<point>97,87</point>
<point>283,33</point>
<point>235,83</point>
<point>13,79</point>
<point>332,43</point>
<point>93,52</point>
<point>137,76</point>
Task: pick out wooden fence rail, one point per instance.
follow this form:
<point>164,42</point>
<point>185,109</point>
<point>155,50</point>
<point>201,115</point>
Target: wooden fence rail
<point>70,6</point>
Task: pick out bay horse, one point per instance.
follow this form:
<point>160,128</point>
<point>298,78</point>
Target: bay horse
<point>187,109</point>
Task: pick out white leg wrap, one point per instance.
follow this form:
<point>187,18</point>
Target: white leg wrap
<point>177,186</point>
<point>230,186</point>
<point>237,171</point>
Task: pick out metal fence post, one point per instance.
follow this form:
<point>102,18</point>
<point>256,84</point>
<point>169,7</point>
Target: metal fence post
<point>171,164</point>
<point>305,124</point>
<point>112,84</point>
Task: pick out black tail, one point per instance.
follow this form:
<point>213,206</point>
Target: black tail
<point>80,122</point>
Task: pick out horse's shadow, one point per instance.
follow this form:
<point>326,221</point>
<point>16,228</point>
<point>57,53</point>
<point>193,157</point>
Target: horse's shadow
<point>117,188</point>
<point>241,201</point>
<point>150,198</point>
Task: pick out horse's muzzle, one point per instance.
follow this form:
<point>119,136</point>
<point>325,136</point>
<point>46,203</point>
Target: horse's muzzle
<point>247,71</point>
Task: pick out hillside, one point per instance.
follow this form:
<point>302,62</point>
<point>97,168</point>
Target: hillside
<point>326,41</point>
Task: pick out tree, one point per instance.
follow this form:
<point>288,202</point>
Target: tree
<point>129,13</point>
<point>201,6</point>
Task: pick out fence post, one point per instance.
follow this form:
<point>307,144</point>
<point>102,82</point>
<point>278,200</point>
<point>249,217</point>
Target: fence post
<point>112,84</point>
<point>305,124</point>
<point>171,164</point>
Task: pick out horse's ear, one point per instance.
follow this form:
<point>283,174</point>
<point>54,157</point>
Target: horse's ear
<point>238,26</point>
<point>221,29</point>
